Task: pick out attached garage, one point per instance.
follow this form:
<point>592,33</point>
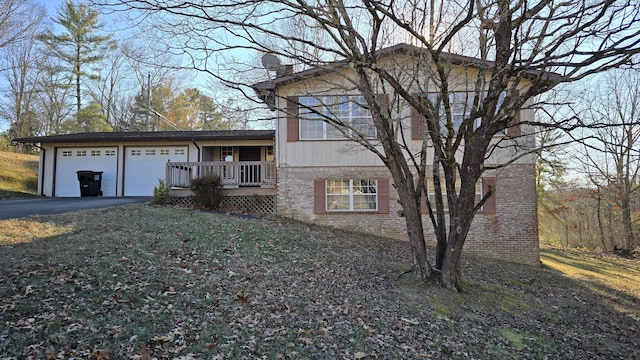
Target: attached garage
<point>143,166</point>
<point>72,159</point>
<point>132,162</point>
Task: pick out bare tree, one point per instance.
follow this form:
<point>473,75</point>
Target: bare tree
<point>19,23</point>
<point>18,20</point>
<point>612,154</point>
<point>52,100</point>
<point>521,49</point>
<point>114,87</point>
<point>21,60</point>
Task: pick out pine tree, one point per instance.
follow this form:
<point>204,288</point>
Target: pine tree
<point>79,45</point>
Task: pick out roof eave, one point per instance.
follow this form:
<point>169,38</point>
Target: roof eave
<point>150,137</point>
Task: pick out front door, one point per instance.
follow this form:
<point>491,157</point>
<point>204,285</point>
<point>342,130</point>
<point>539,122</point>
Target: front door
<point>249,173</point>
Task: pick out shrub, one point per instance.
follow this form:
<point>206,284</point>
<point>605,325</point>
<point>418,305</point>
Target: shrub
<point>207,191</point>
<point>161,193</point>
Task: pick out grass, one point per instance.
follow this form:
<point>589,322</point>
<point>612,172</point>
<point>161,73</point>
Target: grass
<point>18,175</point>
<point>142,282</point>
<point>615,278</point>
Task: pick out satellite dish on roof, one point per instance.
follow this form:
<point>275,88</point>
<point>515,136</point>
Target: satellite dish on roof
<point>270,62</point>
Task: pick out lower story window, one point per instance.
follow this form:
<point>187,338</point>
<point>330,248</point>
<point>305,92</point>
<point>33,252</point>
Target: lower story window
<point>352,195</point>
<point>432,192</point>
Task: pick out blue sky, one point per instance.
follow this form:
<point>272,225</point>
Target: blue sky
<point>51,5</point>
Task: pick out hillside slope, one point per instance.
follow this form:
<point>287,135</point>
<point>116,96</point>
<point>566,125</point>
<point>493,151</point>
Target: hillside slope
<point>18,175</point>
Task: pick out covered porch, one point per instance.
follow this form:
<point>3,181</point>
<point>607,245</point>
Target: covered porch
<point>234,174</point>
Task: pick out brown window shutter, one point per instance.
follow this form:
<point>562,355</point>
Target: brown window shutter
<point>293,123</point>
<point>489,205</point>
<point>383,196</point>
<point>319,198</point>
<point>417,125</point>
<point>383,100</point>
<point>417,122</point>
<point>513,129</point>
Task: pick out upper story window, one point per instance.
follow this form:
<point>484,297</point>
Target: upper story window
<point>461,104</point>
<point>349,110</point>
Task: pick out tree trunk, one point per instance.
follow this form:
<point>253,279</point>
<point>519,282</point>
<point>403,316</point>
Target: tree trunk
<point>627,224</point>
<point>600,225</point>
<point>460,220</point>
<point>413,219</point>
<point>421,267</point>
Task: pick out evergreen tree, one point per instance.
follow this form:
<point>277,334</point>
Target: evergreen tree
<point>79,45</point>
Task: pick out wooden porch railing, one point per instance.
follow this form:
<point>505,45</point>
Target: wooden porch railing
<point>233,174</point>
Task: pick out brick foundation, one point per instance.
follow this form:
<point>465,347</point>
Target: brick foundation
<point>511,234</point>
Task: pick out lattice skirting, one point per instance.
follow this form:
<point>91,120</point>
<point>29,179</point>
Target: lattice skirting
<point>256,204</point>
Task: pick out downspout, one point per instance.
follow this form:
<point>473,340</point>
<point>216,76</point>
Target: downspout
<point>197,147</point>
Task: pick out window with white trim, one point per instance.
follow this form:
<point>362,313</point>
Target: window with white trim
<point>461,106</point>
<point>351,195</point>
<point>349,110</point>
<point>431,192</point>
<point>226,154</point>
<point>226,151</point>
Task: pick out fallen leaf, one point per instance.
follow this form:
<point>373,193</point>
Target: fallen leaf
<point>100,355</point>
<point>145,352</point>
<point>240,296</point>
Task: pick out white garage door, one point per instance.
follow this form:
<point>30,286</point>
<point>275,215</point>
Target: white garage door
<point>143,166</point>
<point>71,160</point>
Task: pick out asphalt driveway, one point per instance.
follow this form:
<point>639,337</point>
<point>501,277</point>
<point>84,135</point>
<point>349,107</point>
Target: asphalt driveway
<point>18,208</point>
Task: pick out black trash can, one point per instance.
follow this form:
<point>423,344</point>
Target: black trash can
<point>90,182</point>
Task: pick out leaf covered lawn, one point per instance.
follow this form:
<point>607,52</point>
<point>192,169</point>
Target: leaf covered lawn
<point>142,282</point>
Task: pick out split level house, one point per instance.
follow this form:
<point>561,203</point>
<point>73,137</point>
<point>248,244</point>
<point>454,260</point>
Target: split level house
<point>306,169</point>
<point>326,179</point>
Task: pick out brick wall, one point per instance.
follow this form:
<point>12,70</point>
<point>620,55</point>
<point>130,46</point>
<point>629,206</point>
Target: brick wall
<point>510,234</point>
